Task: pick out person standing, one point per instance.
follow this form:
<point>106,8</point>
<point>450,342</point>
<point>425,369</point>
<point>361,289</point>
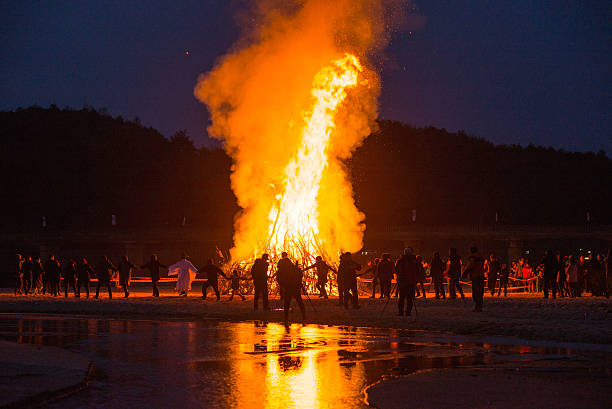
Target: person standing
<point>290,279</point>
<point>211,273</point>
<point>38,272</point>
<point>475,271</point>
<point>104,272</point>
<point>185,272</point>
<point>421,277</point>
<point>560,276</point>
<point>53,273</point>
<point>386,268</point>
<point>608,271</point>
<point>572,276</point>
<point>70,277</point>
<point>348,271</point>
<point>18,268</point>
<point>259,272</point>
<point>504,273</point>
<point>436,270</point>
<point>27,268</point>
<point>283,268</point>
<point>322,270</point>
<point>406,271</point>
<point>373,268</point>
<point>153,266</point>
<point>453,270</point>
<point>84,276</point>
<point>125,274</point>
<point>235,285</point>
<point>492,269</point>
<point>549,262</point>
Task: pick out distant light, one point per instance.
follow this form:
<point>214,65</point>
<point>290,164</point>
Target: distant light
<point>186,52</point>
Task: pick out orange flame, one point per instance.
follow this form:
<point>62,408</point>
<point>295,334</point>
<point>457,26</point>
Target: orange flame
<point>294,218</point>
<point>290,106</point>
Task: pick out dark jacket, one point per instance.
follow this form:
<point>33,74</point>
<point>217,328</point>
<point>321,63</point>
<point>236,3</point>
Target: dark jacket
<point>407,270</point>
<point>436,269</point>
<point>385,270</point>
<point>290,276</point>
<point>85,272</point>
<point>19,267</point>
<point>454,266</point>
<point>284,269</point>
<point>211,272</point>
<point>125,271</point>
<point>153,267</point>
<point>70,272</point>
<point>53,270</point>
<point>347,272</point>
<point>259,271</point>
<point>105,270</point>
<point>474,267</point>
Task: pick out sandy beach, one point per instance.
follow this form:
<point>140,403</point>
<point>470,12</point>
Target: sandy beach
<point>527,316</point>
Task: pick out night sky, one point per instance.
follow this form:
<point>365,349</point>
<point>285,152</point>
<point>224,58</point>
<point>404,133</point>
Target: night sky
<point>509,71</point>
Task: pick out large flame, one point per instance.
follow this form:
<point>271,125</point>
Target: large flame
<point>294,218</point>
<point>291,102</point>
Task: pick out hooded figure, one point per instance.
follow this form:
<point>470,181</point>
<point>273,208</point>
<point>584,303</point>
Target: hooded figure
<point>186,273</point>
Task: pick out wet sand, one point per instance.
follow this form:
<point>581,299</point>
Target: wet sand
<point>33,375</point>
<point>526,316</point>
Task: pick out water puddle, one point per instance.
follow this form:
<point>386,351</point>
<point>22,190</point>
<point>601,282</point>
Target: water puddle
<point>146,363</point>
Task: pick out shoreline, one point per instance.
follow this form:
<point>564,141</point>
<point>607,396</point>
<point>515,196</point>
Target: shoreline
<point>587,320</point>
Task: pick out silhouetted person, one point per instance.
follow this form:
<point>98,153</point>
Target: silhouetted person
<point>290,280</point>
<point>608,270</point>
<point>406,271</point>
<point>475,271</point>
<point>322,270</point>
<point>492,269</point>
<point>436,270</point>
<point>347,276</point>
<point>53,273</point>
<point>373,269</point>
<point>70,277</point>
<point>572,273</point>
<point>385,268</point>
<point>283,268</point>
<point>105,271</point>
<point>211,273</point>
<point>84,276</point>
<point>259,272</point>
<point>235,285</point>
<point>421,277</point>
<point>18,269</point>
<point>550,264</point>
<point>38,272</point>
<point>125,274</point>
<point>453,268</point>
<point>504,273</point>
<point>27,275</point>
<point>562,287</point>
<point>153,266</point>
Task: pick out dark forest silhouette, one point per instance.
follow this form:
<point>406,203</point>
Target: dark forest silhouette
<point>77,167</point>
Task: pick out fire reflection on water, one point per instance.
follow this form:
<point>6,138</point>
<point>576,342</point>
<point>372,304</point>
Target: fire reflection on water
<point>256,365</point>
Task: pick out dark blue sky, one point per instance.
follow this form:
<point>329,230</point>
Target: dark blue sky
<point>509,71</point>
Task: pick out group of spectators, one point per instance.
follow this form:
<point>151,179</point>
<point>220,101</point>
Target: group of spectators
<point>566,275</point>
<point>36,277</point>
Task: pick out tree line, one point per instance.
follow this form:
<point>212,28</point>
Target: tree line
<point>79,167</point>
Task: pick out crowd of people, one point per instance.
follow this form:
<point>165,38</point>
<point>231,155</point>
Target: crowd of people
<point>557,275</point>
